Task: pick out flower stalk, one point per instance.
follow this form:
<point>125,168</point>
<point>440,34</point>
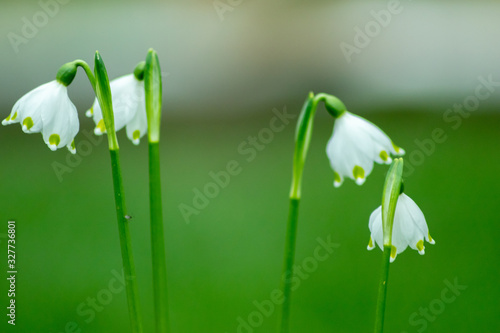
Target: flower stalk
<point>103,93</point>
<point>302,140</point>
<point>153,93</point>
<point>392,189</point>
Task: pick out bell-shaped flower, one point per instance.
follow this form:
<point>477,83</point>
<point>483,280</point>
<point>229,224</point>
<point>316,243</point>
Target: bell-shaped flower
<point>48,109</point>
<point>355,144</point>
<point>409,228</point>
<point>128,108</point>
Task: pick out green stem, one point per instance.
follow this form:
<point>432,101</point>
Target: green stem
<point>287,275</point>
<point>157,240</point>
<point>126,245</point>
<point>88,71</point>
<point>303,136</point>
<point>382,291</point>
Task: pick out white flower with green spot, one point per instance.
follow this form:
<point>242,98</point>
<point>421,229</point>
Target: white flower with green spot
<point>128,107</point>
<point>355,144</point>
<point>409,228</point>
<point>48,109</point>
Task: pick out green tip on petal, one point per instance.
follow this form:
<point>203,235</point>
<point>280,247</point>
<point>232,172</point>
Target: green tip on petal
<point>54,140</point>
<point>431,240</point>
<point>420,246</point>
<point>14,116</point>
<point>359,174</point>
<point>27,123</point>
<point>71,147</point>
<point>90,112</point>
<point>370,244</point>
<point>337,181</point>
<point>100,128</point>
<point>394,253</point>
<point>136,136</point>
<point>397,149</point>
<point>384,156</point>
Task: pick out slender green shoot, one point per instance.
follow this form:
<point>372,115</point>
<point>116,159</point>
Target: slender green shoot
<point>392,189</point>
<point>153,93</point>
<point>103,93</point>
<point>303,136</point>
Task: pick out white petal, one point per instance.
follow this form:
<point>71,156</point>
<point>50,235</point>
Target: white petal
<point>97,117</point>
<point>414,222</point>
<point>409,228</point>
<point>27,109</point>
<point>375,226</point>
<point>127,97</point>
<point>381,141</point>
<point>60,119</point>
<point>349,147</point>
<point>356,142</point>
<point>138,126</point>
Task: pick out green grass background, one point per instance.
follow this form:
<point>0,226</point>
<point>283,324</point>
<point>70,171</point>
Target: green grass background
<point>230,255</point>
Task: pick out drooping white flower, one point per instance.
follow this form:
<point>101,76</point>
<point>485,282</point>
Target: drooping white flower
<point>129,108</point>
<point>409,228</point>
<point>355,144</point>
<point>49,110</point>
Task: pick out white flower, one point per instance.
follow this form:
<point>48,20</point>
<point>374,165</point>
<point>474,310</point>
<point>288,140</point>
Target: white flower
<point>355,144</point>
<point>409,228</point>
<point>49,110</point>
<point>129,108</point>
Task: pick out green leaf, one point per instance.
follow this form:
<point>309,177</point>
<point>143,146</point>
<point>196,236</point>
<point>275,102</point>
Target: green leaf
<point>392,189</point>
<point>103,94</point>
<point>303,135</point>
<point>153,92</point>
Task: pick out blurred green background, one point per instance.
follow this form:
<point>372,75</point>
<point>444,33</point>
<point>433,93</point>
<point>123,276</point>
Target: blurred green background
<point>223,78</point>
<point>230,255</point>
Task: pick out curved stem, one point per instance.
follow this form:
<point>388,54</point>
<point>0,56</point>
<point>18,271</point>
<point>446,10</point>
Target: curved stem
<point>382,291</point>
<point>303,136</point>
<point>157,240</point>
<point>88,71</point>
<point>302,139</point>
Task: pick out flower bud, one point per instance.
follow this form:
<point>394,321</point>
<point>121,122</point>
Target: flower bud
<point>67,73</point>
<point>333,105</point>
<point>139,71</point>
